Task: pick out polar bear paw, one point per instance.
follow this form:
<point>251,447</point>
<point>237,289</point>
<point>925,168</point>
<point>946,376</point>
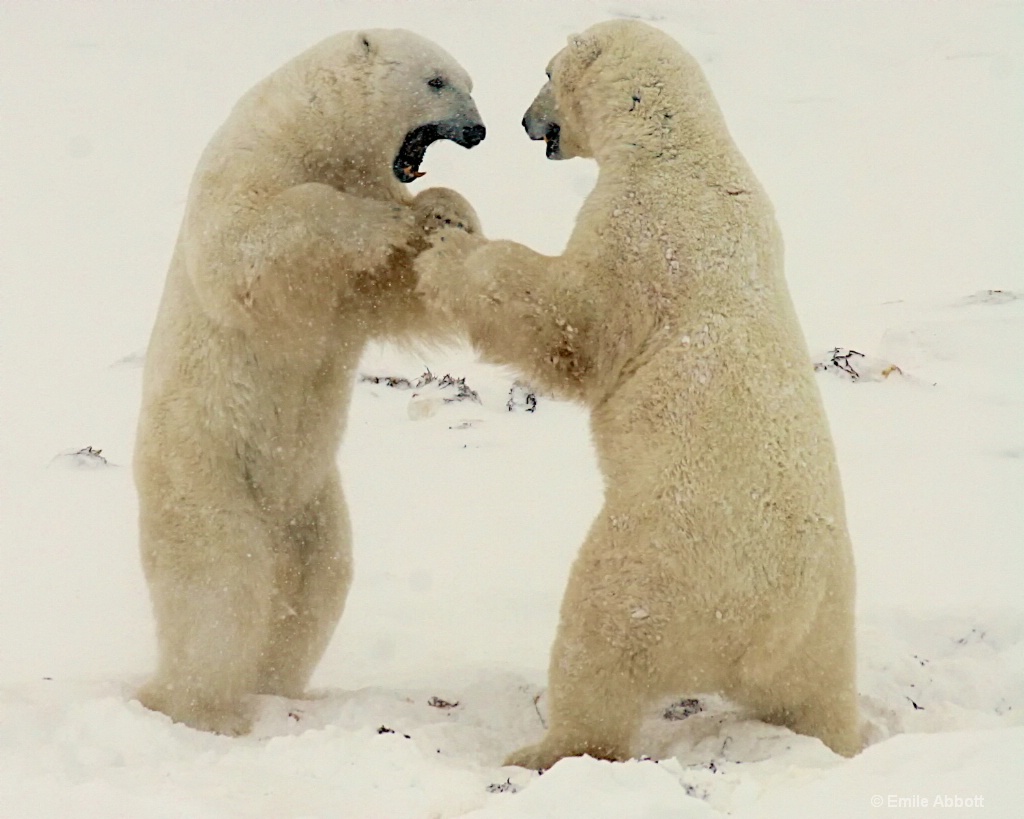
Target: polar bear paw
<point>439,209</point>
<point>204,714</point>
<point>441,267</point>
<point>546,753</point>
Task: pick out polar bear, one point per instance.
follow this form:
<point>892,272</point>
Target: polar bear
<point>296,248</point>
<point>720,561</point>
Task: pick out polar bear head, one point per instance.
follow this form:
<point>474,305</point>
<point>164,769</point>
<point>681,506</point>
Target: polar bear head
<point>621,82</point>
<point>386,94</point>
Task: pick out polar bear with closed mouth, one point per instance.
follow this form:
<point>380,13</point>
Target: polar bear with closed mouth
<point>720,561</point>
<point>295,250</point>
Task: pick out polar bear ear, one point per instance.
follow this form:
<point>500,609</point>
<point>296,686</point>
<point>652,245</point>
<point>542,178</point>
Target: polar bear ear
<point>366,44</point>
<point>585,48</point>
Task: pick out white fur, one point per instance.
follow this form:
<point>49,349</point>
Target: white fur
<point>721,560</point>
<point>296,248</point>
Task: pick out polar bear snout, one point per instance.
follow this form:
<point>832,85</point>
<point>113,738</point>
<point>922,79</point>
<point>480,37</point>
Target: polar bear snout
<point>536,129</point>
<point>474,135</point>
<point>468,135</point>
<point>541,122</point>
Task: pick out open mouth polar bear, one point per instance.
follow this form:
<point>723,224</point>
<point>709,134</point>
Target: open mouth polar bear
<point>296,248</point>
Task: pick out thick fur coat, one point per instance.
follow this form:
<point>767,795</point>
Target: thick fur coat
<point>720,561</point>
<point>296,248</point>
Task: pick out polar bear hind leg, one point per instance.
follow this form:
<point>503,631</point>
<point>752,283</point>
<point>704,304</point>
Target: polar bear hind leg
<point>607,660</point>
<point>595,700</point>
<point>211,571</point>
<point>814,692</point>
<point>313,578</point>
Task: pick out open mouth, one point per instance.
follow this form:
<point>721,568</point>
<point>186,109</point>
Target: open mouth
<point>410,156</point>
<point>551,136</point>
<point>406,166</point>
<point>538,129</point>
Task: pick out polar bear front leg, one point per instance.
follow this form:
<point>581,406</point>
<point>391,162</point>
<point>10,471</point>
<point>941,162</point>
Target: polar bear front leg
<point>519,307</point>
<point>443,280</point>
<point>296,260</point>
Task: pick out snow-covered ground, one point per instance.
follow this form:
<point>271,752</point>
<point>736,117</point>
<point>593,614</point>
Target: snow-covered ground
<point>890,136</point>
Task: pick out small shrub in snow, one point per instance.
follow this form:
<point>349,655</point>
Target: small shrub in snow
<point>521,397</point>
<point>397,383</point>
<point>437,702</point>
<point>508,786</point>
<point>993,297</point>
<point>385,730</point>
<point>462,390</point>
<point>84,458</point>
<point>854,365</point>
<point>842,360</point>
<point>456,388</point>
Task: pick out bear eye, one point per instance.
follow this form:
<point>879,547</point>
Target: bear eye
<point>436,82</point>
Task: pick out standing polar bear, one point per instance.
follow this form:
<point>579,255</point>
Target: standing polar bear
<point>721,560</point>
<point>296,249</point>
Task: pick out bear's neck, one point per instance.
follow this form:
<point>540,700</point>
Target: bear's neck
<point>671,119</point>
<point>310,146</point>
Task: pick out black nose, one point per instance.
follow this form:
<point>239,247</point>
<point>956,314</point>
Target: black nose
<point>473,135</point>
